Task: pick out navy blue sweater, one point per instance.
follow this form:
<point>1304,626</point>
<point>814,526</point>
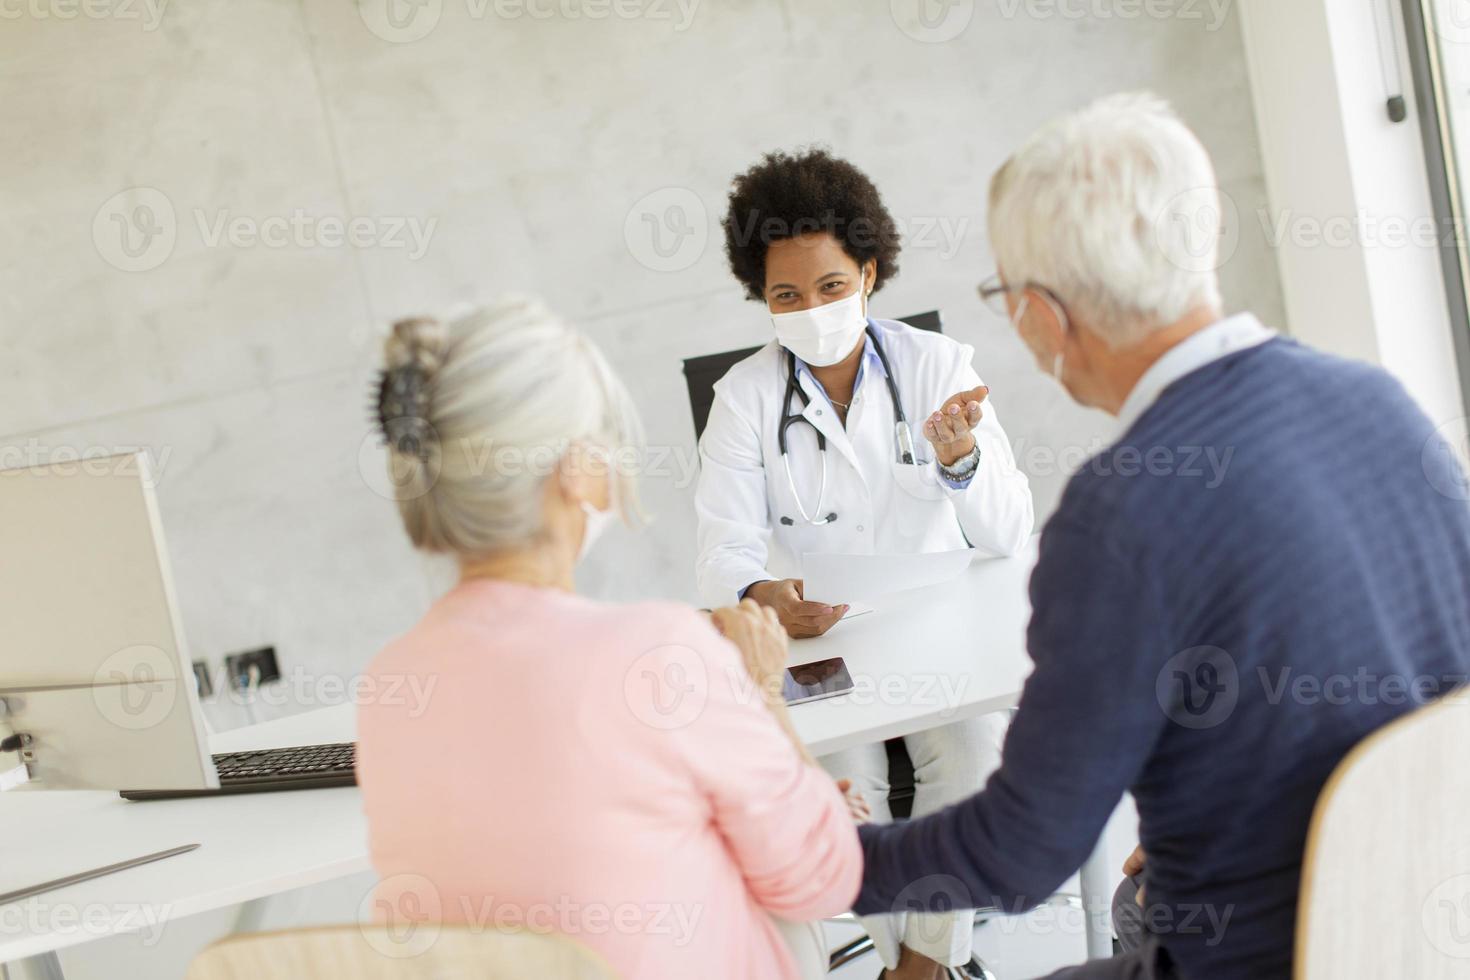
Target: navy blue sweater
<point>1273,562</point>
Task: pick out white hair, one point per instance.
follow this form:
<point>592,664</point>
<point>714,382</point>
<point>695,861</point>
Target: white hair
<point>1116,210</point>
<point>486,408</point>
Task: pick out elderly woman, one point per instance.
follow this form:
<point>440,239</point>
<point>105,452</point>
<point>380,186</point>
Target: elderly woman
<point>581,767</point>
<point>851,434</point>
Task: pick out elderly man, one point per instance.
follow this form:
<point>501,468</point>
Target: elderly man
<point>1267,514</point>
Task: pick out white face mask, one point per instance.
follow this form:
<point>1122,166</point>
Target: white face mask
<point>598,521</point>
<point>823,335</point>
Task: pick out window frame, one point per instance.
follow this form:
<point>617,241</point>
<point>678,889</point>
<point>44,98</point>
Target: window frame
<point>1446,191</point>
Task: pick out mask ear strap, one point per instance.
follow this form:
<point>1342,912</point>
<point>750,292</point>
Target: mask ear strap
<point>1065,323</point>
<point>1021,309</point>
<point>1059,313</point>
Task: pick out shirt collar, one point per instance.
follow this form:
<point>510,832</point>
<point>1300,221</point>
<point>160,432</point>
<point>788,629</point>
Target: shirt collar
<point>870,360</point>
<point>1220,339</point>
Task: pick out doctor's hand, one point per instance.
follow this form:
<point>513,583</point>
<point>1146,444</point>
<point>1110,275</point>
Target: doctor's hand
<point>948,430</point>
<point>801,618</point>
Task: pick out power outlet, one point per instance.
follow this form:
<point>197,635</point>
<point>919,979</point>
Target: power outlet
<point>203,682</point>
<point>237,667</point>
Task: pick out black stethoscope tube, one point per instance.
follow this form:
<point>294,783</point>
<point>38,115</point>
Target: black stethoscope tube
<point>900,421</point>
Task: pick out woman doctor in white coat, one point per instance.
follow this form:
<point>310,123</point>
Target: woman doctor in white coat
<point>849,434</point>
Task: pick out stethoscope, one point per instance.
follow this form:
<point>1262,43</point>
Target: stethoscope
<point>903,437</point>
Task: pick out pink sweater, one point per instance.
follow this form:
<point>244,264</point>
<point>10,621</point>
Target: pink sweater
<point>603,771</point>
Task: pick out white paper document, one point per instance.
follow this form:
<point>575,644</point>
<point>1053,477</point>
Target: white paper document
<point>835,579</point>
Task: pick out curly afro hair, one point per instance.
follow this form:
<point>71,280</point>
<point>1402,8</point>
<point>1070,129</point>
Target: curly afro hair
<point>784,196</point>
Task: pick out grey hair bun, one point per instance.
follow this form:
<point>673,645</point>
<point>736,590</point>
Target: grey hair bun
<point>413,354</point>
<point>418,342</point>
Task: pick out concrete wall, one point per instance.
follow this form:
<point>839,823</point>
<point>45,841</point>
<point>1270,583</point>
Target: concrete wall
<point>178,182</point>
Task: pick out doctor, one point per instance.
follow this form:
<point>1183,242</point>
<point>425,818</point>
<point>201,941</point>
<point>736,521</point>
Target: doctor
<point>849,434</point>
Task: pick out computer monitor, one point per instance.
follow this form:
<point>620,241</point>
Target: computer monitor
<point>93,666</point>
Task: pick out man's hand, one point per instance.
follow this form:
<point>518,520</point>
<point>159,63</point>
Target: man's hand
<point>799,617</point>
<point>757,634</point>
<point>1134,865</point>
<point>949,429</point>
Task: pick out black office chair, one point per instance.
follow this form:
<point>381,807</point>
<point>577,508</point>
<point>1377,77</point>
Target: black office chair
<point>700,374</point>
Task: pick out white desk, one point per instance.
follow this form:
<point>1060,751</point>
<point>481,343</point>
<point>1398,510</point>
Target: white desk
<point>253,846</point>
<point>910,673</point>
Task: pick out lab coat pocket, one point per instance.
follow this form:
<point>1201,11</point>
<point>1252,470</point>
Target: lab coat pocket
<point>918,480</point>
<point>813,539</point>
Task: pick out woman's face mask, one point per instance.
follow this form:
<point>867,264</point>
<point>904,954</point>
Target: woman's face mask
<point>598,521</point>
<point>824,335</point>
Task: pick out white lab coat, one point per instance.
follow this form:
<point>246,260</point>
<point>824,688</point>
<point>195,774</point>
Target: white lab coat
<point>883,506</point>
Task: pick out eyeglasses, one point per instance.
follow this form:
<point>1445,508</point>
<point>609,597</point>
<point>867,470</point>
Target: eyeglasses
<point>993,292</point>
